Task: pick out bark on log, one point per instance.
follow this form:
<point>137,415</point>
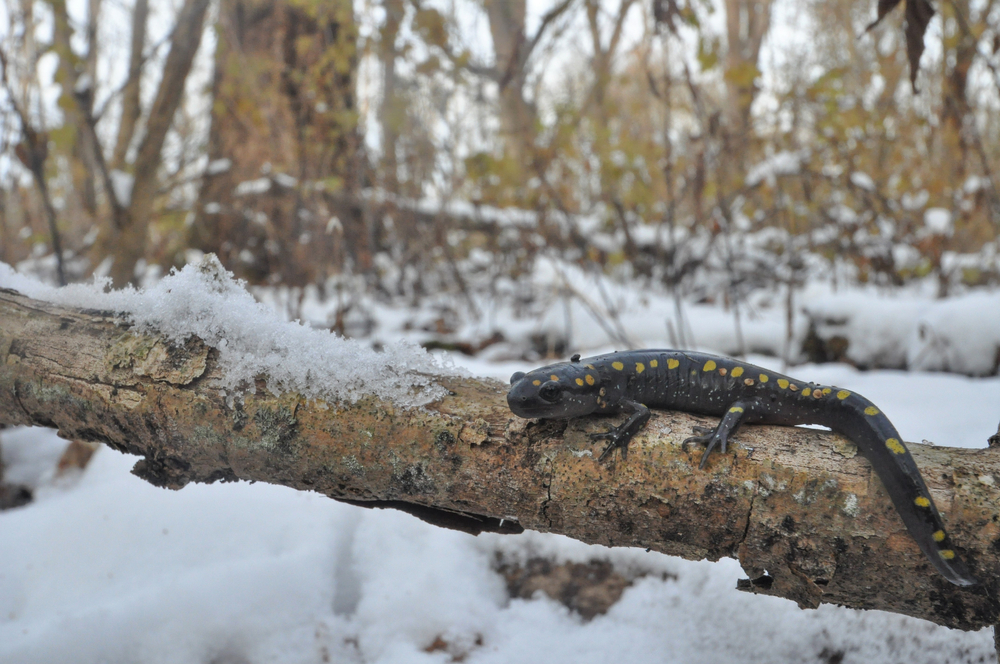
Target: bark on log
<point>805,515</point>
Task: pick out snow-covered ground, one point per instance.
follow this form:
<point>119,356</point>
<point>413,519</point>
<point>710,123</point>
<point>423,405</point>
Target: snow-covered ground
<point>104,568</point>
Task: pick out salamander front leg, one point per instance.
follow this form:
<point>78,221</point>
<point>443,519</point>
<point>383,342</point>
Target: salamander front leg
<point>719,436</point>
<point>618,437</point>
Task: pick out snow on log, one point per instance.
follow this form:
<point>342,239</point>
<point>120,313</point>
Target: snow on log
<point>804,514</point>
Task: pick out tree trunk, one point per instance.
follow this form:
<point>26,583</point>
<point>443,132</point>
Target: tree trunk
<point>517,114</point>
<point>802,511</point>
<point>747,23</point>
<point>131,109</point>
<point>284,117</point>
<point>129,238</point>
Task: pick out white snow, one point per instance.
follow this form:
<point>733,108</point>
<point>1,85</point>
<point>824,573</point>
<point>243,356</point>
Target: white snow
<point>286,180</point>
<point>204,300</point>
<point>862,180</point>
<point>247,187</point>
<point>217,166</point>
<point>781,163</point>
<point>83,84</point>
<point>122,183</point>
<point>877,329</point>
<point>938,221</point>
<point>960,334</point>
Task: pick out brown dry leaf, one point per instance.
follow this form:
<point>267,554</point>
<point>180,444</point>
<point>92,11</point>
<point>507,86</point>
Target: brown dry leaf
<point>918,16</point>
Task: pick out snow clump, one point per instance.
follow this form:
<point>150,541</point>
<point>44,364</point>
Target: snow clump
<point>206,301</point>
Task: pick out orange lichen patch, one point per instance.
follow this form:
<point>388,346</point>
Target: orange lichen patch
<point>709,366</point>
<point>672,363</point>
<point>737,372</point>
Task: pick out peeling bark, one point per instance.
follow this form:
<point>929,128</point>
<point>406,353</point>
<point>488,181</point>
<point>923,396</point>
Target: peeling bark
<point>802,511</point>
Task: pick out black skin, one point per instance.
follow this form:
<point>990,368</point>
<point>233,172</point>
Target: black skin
<point>632,382</point>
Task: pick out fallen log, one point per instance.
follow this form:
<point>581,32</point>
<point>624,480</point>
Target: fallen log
<point>801,510</point>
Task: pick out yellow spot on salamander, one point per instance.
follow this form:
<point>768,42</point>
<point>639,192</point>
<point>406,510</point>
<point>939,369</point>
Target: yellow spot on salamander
<point>827,390</point>
<point>554,377</point>
<point>672,363</point>
<point>871,410</point>
<point>737,372</point>
<point>938,535</point>
<point>735,409</point>
<point>843,394</point>
<point>618,365</point>
<point>947,554</point>
<point>654,363</point>
<point>763,378</point>
<point>591,367</point>
<point>722,371</point>
<point>709,366</point>
<point>895,447</point>
<point>639,367</point>
<point>536,383</point>
<point>817,393</point>
<point>579,381</point>
<point>807,392</point>
<point>782,383</point>
<point>922,501</point>
<point>603,391</point>
<point>793,387</point>
<point>590,379</point>
<point>748,381</point>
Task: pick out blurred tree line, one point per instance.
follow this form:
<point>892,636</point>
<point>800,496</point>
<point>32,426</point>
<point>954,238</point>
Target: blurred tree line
<point>412,146</point>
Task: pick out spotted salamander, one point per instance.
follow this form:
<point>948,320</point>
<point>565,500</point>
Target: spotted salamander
<point>633,382</point>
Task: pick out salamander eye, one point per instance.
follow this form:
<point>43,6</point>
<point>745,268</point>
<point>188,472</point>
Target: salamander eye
<point>550,391</point>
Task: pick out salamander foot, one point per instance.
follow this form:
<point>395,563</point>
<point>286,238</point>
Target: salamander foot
<point>617,437</point>
<point>710,438</point>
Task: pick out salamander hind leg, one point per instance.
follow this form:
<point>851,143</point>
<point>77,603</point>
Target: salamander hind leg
<point>719,436</point>
<point>619,437</point>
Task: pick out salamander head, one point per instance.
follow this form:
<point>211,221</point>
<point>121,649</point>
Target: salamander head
<point>559,390</point>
